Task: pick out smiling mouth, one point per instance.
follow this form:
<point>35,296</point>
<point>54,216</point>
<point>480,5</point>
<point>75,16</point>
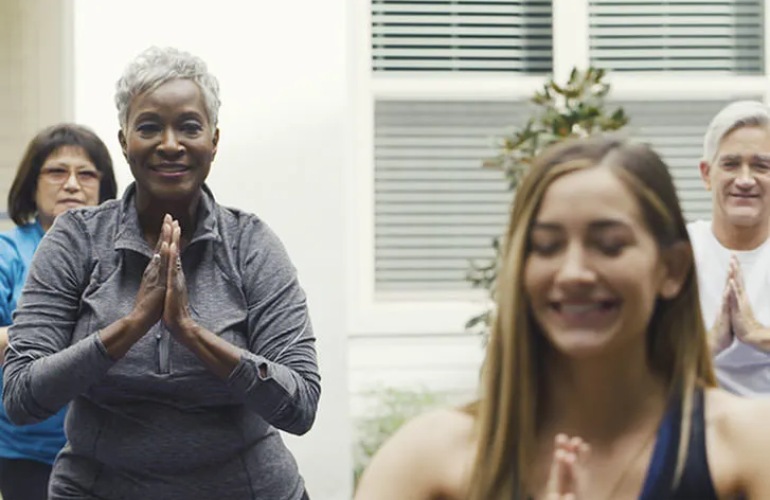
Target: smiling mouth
<point>594,314</point>
<point>170,170</point>
<point>583,307</point>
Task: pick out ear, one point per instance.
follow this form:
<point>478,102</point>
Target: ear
<point>215,140</point>
<point>705,173</point>
<point>123,144</point>
<point>677,262</point>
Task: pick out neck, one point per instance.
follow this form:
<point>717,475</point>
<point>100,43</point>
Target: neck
<point>151,213</point>
<point>739,238</point>
<point>45,223</point>
<point>601,399</point>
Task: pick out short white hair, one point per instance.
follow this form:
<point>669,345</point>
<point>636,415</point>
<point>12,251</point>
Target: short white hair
<point>156,66</point>
<point>735,115</point>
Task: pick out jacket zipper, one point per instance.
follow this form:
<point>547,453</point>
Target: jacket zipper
<point>162,337</point>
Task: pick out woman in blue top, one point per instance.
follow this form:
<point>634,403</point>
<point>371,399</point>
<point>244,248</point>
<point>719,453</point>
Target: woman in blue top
<point>64,166</point>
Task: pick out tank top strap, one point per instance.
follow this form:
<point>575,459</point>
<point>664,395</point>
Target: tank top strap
<point>696,479</point>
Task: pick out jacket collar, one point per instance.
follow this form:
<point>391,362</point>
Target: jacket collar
<point>129,235</point>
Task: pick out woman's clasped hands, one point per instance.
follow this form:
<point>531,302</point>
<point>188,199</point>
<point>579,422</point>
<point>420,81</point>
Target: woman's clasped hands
<point>162,295</point>
<point>567,475</point>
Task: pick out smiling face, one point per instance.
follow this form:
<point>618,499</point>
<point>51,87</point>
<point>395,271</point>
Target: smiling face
<point>169,142</point>
<point>593,270</point>
<point>68,179</point>
<point>740,178</point>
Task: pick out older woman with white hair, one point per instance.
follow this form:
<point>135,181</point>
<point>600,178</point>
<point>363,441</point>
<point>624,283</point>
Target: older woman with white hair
<point>732,250</point>
<point>175,327</point>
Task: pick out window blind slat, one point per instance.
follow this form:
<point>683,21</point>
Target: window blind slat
<point>457,8</point>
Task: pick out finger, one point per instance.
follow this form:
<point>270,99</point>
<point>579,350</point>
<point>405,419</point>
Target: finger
<point>176,234</point>
<point>740,287</point>
<point>163,260</point>
<point>733,293</point>
<point>561,461</point>
<point>163,232</point>
<point>583,452</point>
<point>738,274</point>
<point>173,268</point>
<point>169,228</point>
<point>574,444</point>
<point>738,295</point>
<point>552,485</point>
<point>566,472</point>
<point>151,271</point>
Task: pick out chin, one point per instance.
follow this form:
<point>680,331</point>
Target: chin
<point>745,218</point>
<point>580,344</point>
<point>174,192</point>
<point>580,351</point>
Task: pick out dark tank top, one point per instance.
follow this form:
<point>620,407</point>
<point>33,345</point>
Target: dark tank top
<point>695,483</point>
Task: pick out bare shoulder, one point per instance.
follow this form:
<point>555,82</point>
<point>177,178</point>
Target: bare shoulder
<point>738,416</point>
<point>426,458</point>
<point>738,441</point>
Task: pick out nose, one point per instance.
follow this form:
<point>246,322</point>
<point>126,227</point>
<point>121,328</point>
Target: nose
<point>574,269</point>
<point>71,184</point>
<point>745,178</point>
<point>169,146</point>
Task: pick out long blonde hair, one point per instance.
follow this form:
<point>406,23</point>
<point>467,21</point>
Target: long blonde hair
<point>510,404</point>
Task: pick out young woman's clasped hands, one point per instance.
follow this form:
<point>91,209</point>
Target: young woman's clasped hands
<point>566,477</point>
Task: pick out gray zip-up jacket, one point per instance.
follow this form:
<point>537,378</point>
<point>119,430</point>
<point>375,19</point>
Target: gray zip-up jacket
<point>157,424</point>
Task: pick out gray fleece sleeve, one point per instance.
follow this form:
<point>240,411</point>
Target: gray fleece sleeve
<point>278,378</point>
<point>42,370</point>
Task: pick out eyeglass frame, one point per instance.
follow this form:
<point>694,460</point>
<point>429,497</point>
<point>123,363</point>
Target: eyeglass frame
<point>51,174</point>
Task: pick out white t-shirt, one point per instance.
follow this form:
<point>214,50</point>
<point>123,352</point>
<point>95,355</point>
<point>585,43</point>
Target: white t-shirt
<point>740,368</point>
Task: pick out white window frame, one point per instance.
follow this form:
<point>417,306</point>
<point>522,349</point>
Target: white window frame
<point>442,313</point>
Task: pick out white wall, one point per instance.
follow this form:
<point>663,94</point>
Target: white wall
<point>284,126</point>
<point>35,83</point>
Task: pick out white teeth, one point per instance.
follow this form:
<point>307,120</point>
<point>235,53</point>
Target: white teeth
<point>579,308</point>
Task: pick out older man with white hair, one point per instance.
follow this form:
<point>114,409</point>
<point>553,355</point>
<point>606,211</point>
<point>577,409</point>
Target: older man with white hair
<point>732,251</point>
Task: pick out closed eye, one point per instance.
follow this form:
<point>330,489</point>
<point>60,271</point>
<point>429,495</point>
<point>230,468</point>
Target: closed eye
<point>545,248</point>
<point>192,127</point>
<point>611,249</point>
<point>148,128</point>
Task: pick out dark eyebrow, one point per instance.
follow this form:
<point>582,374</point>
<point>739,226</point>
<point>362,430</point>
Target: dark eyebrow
<point>191,114</point>
<point>604,224</point>
<point>593,226</point>
<point>552,226</point>
<point>146,115</point>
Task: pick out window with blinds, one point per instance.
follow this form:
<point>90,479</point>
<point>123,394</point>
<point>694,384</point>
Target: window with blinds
<point>462,35</point>
<point>722,36</point>
<point>436,208</point>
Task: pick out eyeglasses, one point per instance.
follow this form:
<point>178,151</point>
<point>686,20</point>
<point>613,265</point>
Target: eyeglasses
<point>59,175</point>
